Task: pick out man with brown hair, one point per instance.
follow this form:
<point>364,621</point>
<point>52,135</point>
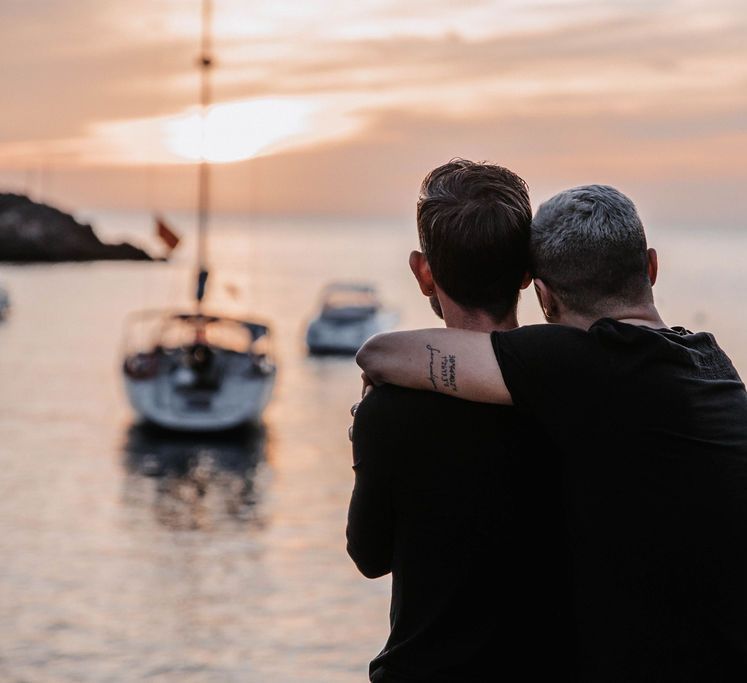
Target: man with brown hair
<point>650,423</point>
<point>459,501</point>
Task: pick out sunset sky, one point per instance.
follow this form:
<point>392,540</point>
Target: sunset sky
<point>330,107</point>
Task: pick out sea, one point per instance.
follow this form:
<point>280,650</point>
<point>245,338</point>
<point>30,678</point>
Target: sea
<point>133,555</point>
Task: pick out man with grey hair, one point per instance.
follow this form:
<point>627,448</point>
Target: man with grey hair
<point>589,245</point>
<point>650,423</point>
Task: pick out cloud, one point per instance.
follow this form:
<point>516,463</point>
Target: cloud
<point>685,178</point>
<point>97,62</point>
<point>564,91</point>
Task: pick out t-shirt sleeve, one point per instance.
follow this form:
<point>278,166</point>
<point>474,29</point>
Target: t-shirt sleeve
<point>552,372</point>
<point>370,529</point>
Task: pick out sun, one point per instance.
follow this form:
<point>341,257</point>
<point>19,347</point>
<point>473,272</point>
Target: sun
<point>234,131</point>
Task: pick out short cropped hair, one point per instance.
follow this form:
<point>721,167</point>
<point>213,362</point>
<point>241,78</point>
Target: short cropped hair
<point>473,223</point>
<point>589,246</point>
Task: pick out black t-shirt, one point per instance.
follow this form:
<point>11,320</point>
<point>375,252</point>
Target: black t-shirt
<point>652,428</point>
<point>460,501</point>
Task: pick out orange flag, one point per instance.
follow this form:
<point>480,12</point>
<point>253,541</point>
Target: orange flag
<point>167,235</point>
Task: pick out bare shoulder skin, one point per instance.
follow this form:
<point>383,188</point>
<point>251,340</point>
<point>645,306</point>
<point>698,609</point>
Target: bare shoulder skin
<point>455,362</point>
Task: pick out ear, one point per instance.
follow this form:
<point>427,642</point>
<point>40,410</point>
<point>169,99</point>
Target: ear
<point>422,272</point>
<point>546,299</point>
<point>653,266</point>
<point>526,281</point>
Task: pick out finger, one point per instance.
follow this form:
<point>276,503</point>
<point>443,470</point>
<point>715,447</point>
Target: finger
<point>350,432</point>
<point>367,390</point>
<point>354,408</point>
<point>367,384</point>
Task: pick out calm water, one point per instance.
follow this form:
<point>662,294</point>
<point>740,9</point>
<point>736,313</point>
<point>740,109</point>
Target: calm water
<point>128,555</point>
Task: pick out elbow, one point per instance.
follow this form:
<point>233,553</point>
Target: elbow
<point>368,566</point>
<point>370,358</point>
<point>373,571</point>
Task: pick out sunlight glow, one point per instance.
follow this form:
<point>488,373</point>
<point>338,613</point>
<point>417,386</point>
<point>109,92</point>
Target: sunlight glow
<point>234,131</point>
<point>237,130</point>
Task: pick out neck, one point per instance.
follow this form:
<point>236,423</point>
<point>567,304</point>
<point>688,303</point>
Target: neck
<point>477,320</point>
<point>644,315</point>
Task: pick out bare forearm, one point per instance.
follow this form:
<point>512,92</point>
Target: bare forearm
<point>460,363</point>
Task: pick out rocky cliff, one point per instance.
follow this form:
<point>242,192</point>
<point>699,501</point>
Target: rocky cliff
<point>36,232</point>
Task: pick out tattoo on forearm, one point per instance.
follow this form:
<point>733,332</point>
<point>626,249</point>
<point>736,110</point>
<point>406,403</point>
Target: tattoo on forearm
<point>431,356</point>
<point>448,371</point>
<point>447,366</point>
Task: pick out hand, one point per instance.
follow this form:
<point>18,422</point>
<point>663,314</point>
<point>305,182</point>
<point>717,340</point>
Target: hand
<point>367,389</point>
<point>368,386</point>
<point>353,411</point>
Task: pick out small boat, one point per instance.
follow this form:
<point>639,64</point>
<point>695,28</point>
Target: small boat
<point>197,372</point>
<point>350,312</point>
<point>4,303</point>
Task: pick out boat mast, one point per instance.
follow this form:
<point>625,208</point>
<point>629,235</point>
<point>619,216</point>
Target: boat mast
<point>203,210</point>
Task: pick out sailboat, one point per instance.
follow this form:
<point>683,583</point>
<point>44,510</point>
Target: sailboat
<point>195,370</point>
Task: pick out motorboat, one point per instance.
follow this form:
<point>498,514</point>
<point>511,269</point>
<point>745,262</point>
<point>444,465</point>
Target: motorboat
<point>197,372</point>
<point>349,313</point>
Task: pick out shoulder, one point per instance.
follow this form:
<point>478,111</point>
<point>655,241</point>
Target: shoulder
<point>385,402</point>
<point>388,393</point>
<point>534,334</point>
<point>392,415</point>
<point>549,367</point>
<point>379,417</point>
<point>390,409</point>
<point>404,406</point>
<point>407,430</point>
<point>542,344</point>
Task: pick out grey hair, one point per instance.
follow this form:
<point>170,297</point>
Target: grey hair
<point>589,246</point>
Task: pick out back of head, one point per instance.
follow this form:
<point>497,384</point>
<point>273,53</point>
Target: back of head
<point>588,245</point>
<point>473,222</point>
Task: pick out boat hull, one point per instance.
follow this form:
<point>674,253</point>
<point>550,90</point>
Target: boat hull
<point>236,402</point>
<point>345,338</point>
<point>197,372</point>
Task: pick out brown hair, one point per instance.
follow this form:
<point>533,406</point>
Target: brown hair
<point>473,222</point>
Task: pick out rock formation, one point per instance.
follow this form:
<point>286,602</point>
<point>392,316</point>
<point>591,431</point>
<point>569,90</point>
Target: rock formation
<point>32,232</point>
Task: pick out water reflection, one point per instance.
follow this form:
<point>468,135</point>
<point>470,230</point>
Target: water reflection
<point>196,481</point>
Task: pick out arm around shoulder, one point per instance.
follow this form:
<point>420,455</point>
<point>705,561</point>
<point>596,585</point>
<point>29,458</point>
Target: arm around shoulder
<point>459,363</point>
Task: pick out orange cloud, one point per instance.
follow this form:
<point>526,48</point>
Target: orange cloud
<point>651,95</point>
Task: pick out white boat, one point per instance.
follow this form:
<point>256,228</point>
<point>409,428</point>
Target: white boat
<point>4,303</point>
<point>197,371</point>
<point>349,313</point>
